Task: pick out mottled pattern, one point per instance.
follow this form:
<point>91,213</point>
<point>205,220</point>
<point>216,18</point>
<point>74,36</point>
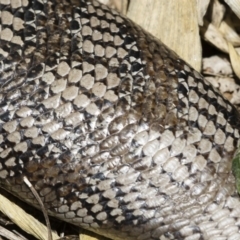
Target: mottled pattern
<point>116,133</point>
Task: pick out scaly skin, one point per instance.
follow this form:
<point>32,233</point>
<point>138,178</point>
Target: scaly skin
<point>116,133</point>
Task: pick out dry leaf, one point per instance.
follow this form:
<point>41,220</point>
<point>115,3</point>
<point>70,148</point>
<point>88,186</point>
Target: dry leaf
<point>211,34</point>
<point>25,221</point>
<point>229,33</point>
<point>202,6</point>
<point>106,2</point>
<point>235,59</point>
<point>121,5</point>
<point>86,235</point>
<point>235,6</point>
<point>217,13</point>
<point>174,22</point>
<point>236,96</point>
<point>217,65</point>
<point>9,235</point>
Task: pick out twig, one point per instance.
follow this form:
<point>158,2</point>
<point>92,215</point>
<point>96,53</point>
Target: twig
<point>25,179</point>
